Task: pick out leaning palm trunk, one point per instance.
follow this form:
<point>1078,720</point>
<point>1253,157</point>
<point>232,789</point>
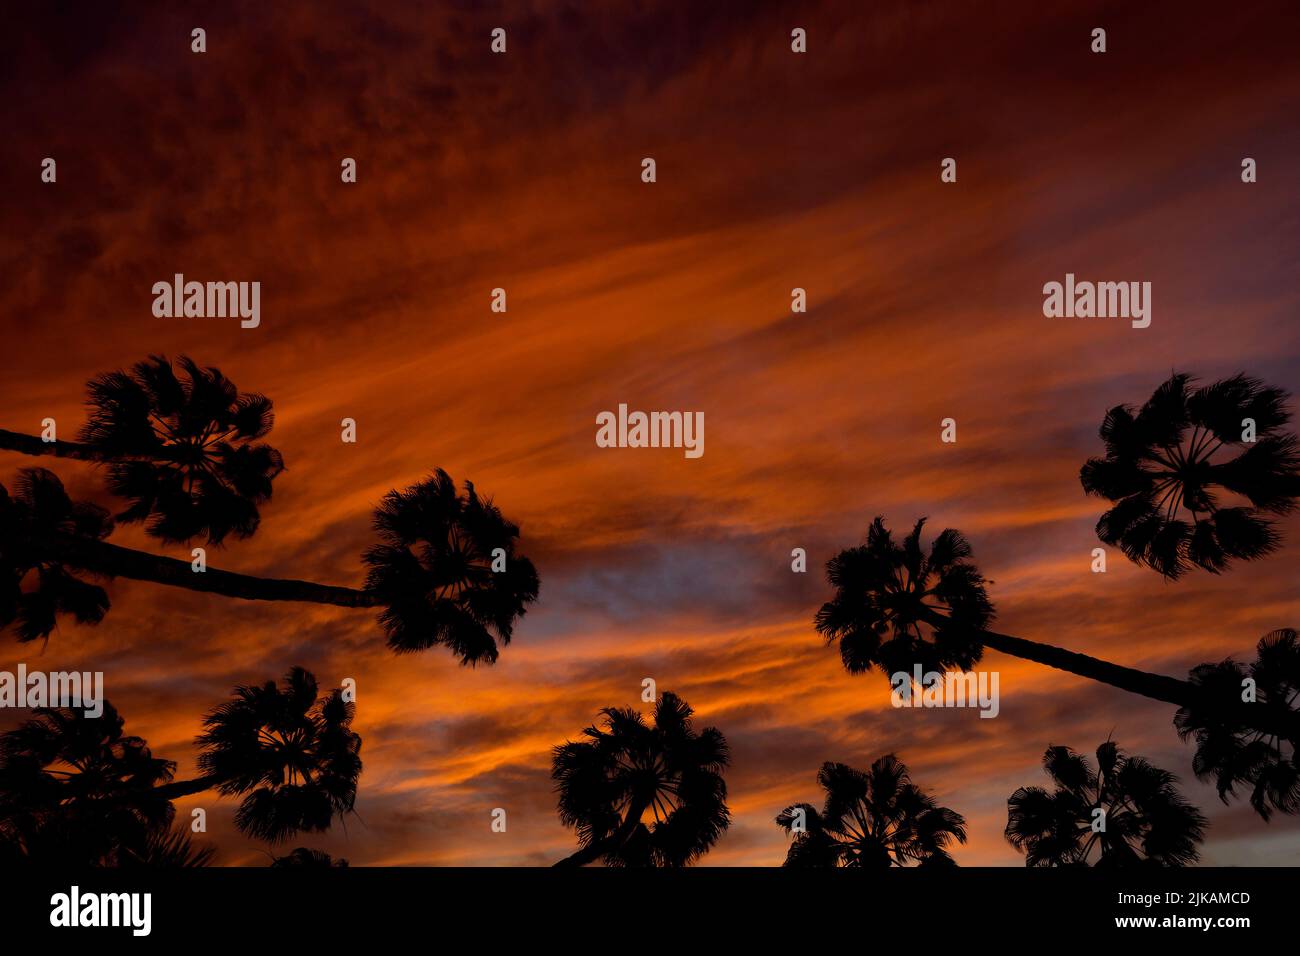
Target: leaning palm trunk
<point>186,788</point>
<point>32,445</point>
<point>288,751</point>
<point>434,573</point>
<point>594,850</point>
<point>81,451</point>
<point>1170,690</point>
<point>114,560</point>
<point>167,791</point>
<point>889,595</point>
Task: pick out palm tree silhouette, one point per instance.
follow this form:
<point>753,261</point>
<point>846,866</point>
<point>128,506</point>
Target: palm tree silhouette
<point>76,789</point>
<point>170,849</point>
<point>1231,751</point>
<point>291,754</point>
<point>303,858</point>
<point>1144,820</point>
<point>61,843</point>
<point>897,604</point>
<point>1160,462</point>
<point>643,794</point>
<point>871,818</point>
<point>40,509</point>
<point>185,451</point>
<point>433,572</point>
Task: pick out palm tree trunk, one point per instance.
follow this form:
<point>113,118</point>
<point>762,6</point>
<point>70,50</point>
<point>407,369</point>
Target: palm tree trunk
<point>588,854</point>
<point>31,445</point>
<point>594,850</point>
<point>184,788</point>
<point>1170,690</point>
<point>115,561</point>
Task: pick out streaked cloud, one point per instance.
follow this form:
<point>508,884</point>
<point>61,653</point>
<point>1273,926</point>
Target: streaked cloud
<point>522,172</point>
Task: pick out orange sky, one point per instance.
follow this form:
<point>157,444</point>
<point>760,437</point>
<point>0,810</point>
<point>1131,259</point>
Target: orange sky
<point>774,171</point>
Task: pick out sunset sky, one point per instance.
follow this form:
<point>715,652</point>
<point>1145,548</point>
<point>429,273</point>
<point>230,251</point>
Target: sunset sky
<point>775,170</point>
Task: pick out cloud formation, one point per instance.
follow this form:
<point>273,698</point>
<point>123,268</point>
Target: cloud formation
<point>774,171</point>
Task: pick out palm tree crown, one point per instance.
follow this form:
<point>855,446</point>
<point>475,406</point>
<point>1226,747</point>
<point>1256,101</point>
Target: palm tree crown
<point>872,818</point>
<point>1143,820</point>
<point>184,451</point>
<point>1233,753</point>
<point>172,848</point>
<point>35,586</point>
<point>304,858</point>
<point>896,605</point>
<point>1161,464</point>
<point>643,794</point>
<point>294,758</point>
<point>76,790</point>
<point>434,571</point>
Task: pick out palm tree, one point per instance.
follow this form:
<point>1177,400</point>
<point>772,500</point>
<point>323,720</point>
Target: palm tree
<point>643,794</point>
<point>1233,752</point>
<point>446,571</point>
<point>171,849</point>
<point>872,818</point>
<point>290,754</point>
<point>40,509</point>
<point>76,789</point>
<point>303,858</point>
<point>1144,820</point>
<point>898,604</point>
<point>184,450</point>
<point>61,842</point>
<point>1160,462</point>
